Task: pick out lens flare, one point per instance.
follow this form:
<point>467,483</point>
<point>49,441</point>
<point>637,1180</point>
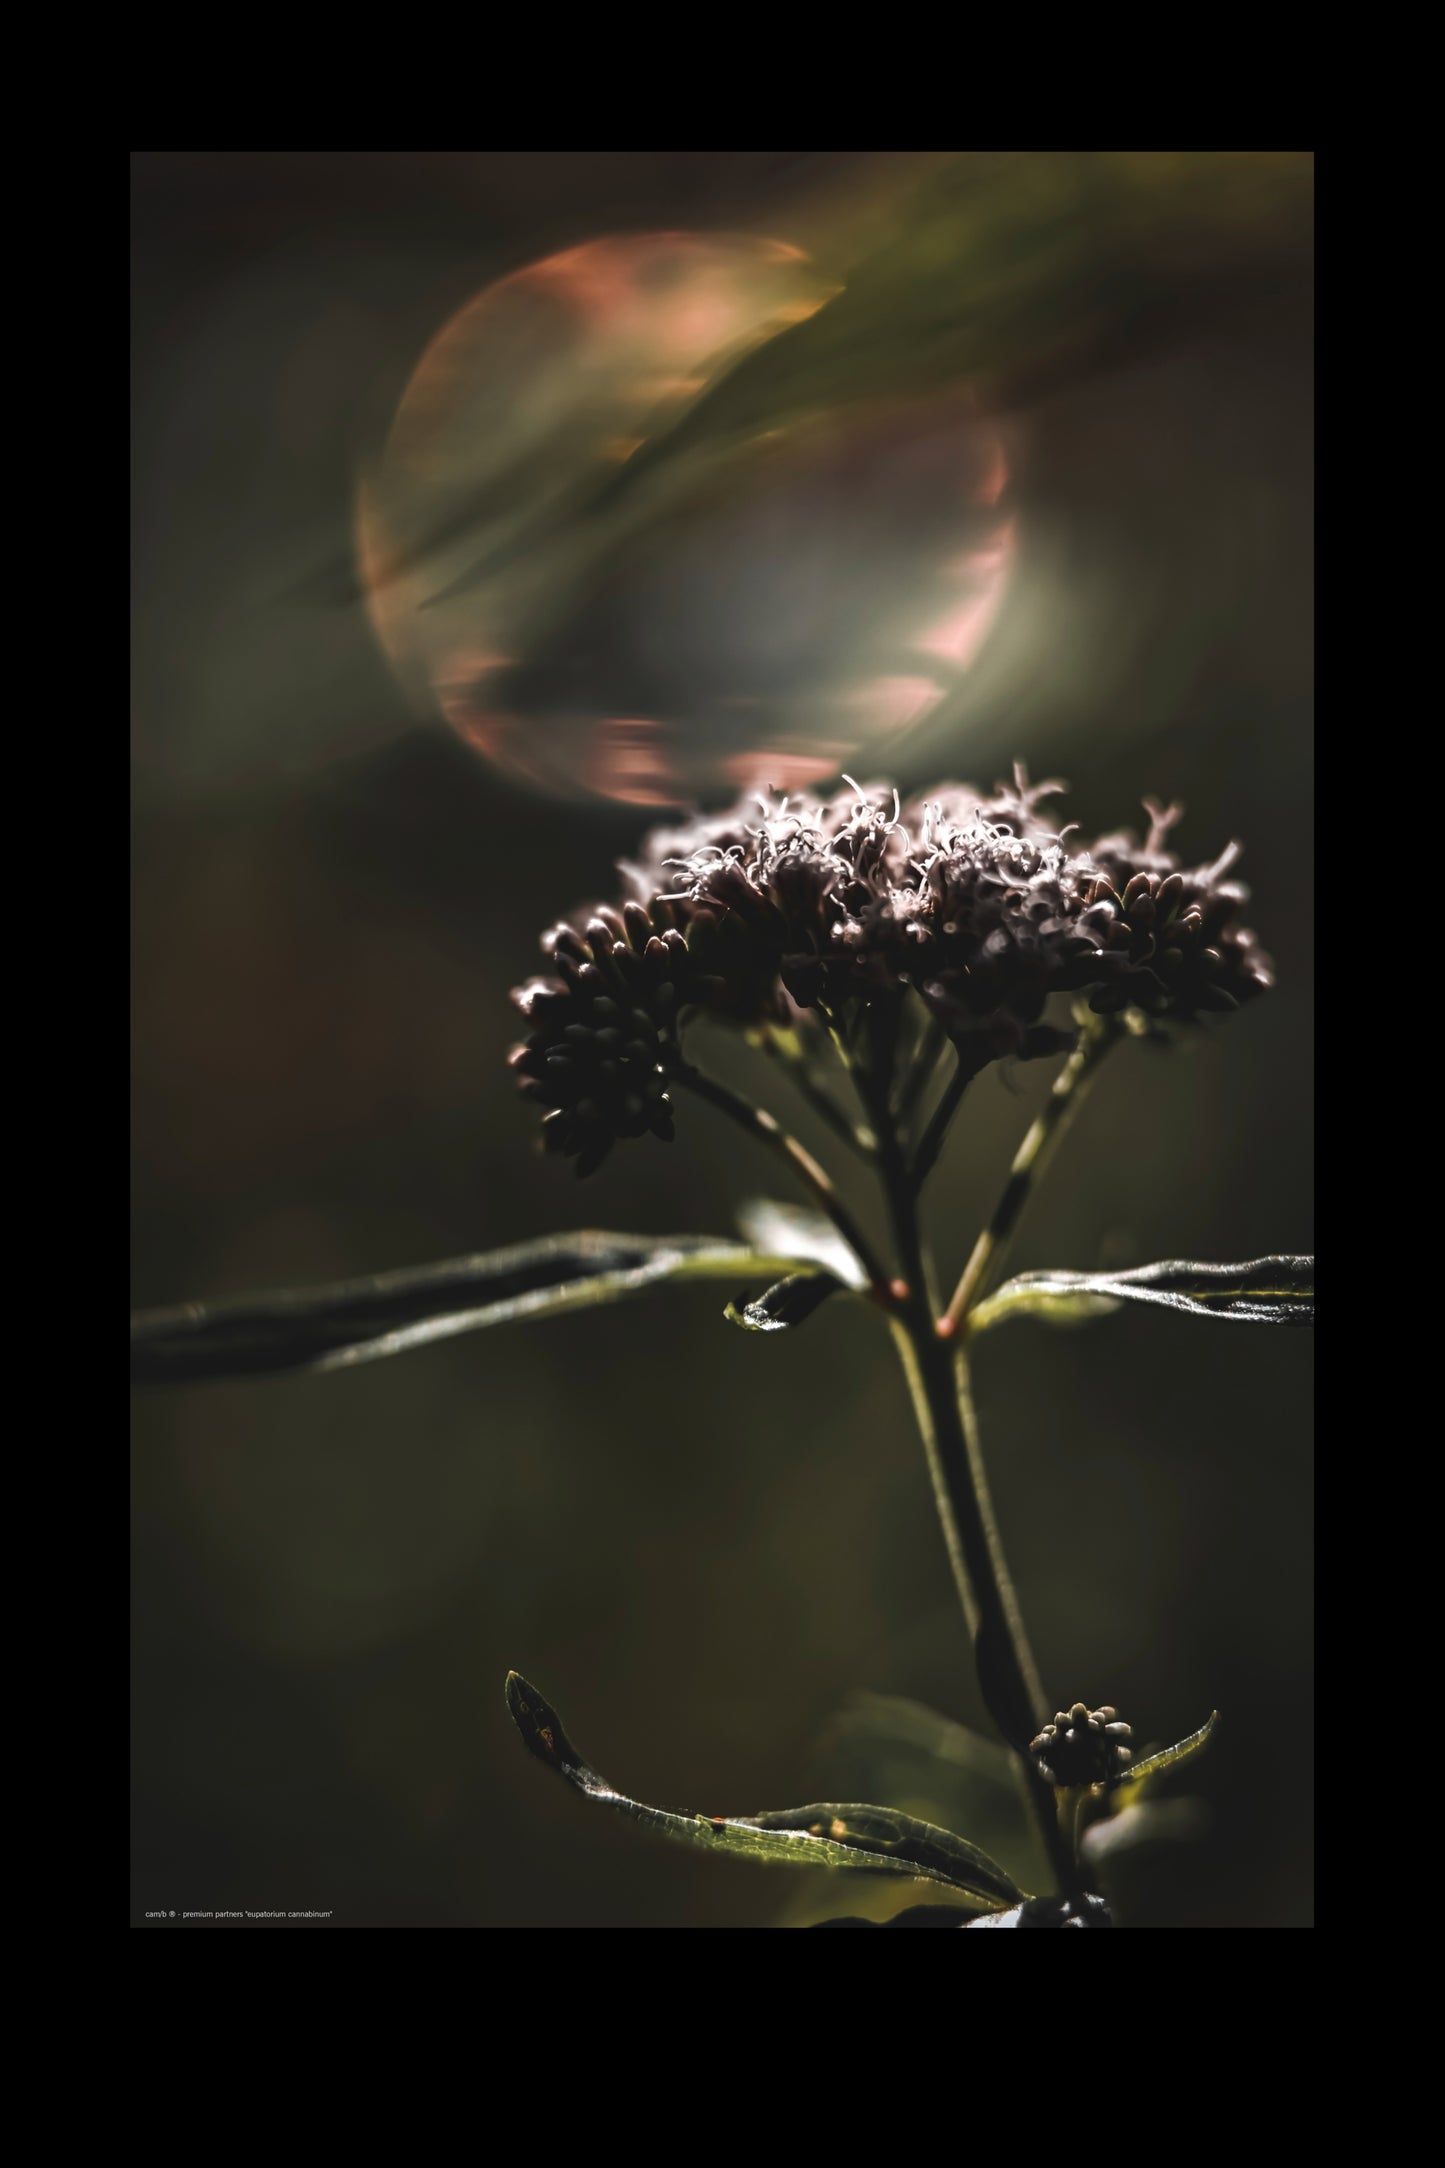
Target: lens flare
<point>765,618</point>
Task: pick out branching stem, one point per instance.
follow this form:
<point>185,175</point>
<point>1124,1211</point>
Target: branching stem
<point>769,1131</point>
<point>1033,1155</point>
<point>824,1105</point>
<point>932,1040</point>
<point>931,1142</point>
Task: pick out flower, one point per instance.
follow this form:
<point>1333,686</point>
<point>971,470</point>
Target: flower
<point>1082,1746</point>
<point>1170,937</point>
<point>594,1055</point>
<point>996,899</point>
<point>781,906</point>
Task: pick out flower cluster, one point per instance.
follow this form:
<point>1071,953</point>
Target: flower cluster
<point>594,1054</point>
<point>772,910</point>
<point>1082,1746</point>
<point>1171,936</point>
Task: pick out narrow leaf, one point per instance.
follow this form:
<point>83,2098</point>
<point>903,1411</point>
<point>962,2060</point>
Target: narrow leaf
<point>1269,1291</point>
<point>873,1839</point>
<point>1170,1757</point>
<point>1007,272</point>
<point>911,1916</point>
<point>1141,1858</point>
<point>791,1230</point>
<point>891,1720</point>
<point>791,1302</point>
<point>352,1321</point>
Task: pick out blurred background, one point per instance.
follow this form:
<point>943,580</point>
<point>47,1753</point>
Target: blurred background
<point>485,506</point>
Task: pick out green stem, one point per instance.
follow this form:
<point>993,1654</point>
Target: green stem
<point>931,1142</point>
<point>1033,1155</point>
<point>938,1385</point>
<point>1032,1690</point>
<point>769,1131</point>
<point>979,1571</point>
<point>823,1104</point>
<point>931,1042</point>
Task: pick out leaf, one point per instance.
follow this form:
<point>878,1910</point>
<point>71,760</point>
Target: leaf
<point>810,1238</point>
<point>873,1839</point>
<point>881,1747</point>
<point>353,1321</point>
<point>1142,1858</point>
<point>892,1721</point>
<point>1269,1291</point>
<point>1051,1305</point>
<point>1139,1828</point>
<point>1132,1780</point>
<point>911,1916</point>
<point>791,1302</point>
<point>1009,272</point>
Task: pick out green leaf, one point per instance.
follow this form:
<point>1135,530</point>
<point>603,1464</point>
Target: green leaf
<point>1132,1781</point>
<point>810,1238</point>
<point>873,1839</point>
<point>911,1916</point>
<point>869,1721</point>
<point>1141,1858</point>
<point>881,1747</point>
<point>353,1321</point>
<point>1269,1291</point>
<point>791,1302</point>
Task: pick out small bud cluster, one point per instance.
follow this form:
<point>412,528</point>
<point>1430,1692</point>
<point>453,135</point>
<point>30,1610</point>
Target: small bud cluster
<point>1171,937</point>
<point>594,1053</point>
<point>1082,1746</point>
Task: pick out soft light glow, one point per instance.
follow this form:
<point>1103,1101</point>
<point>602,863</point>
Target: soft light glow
<point>769,616</point>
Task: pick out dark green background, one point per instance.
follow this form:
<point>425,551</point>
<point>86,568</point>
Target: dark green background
<point>696,1542</point>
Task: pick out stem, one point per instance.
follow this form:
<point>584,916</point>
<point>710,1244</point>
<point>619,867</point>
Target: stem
<point>1028,1680</point>
<point>770,1131</point>
<point>946,1420</point>
<point>970,1532</point>
<point>823,1104</point>
<point>931,1142</point>
<point>1033,1155</point>
<point>931,1043</point>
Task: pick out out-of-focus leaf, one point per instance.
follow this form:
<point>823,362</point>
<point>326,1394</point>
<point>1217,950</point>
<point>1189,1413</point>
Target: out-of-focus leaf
<point>791,1302</point>
<point>913,1916</point>
<point>878,1746</point>
<point>1132,1781</point>
<point>1268,1291</point>
<point>1140,1857</point>
<point>1170,1821</point>
<point>791,1230</point>
<point>873,1839</point>
<point>1011,271</point>
<point>353,1321</point>
<point>1006,272</point>
<point>890,1720</point>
